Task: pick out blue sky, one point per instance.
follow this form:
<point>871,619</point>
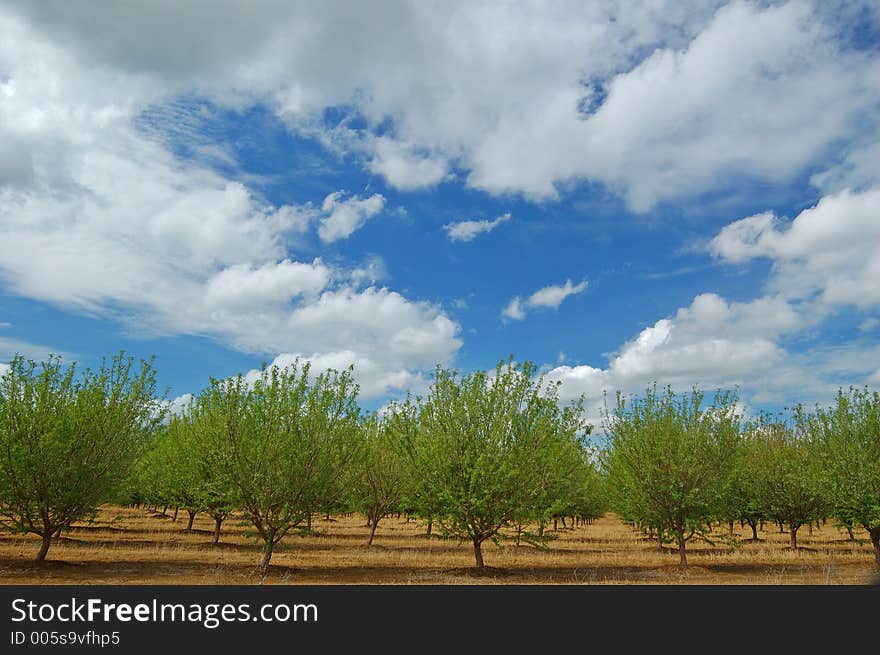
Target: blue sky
<point>685,193</point>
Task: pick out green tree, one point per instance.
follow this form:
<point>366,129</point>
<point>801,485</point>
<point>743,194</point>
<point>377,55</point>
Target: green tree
<point>483,451</point>
<point>669,458</point>
<point>283,442</point>
<point>565,482</point>
<point>380,473</point>
<point>848,435</point>
<point>796,493</point>
<point>746,496</point>
<point>67,442</point>
<point>182,472</point>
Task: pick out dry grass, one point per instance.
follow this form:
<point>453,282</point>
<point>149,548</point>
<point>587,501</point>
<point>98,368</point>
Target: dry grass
<point>133,546</point>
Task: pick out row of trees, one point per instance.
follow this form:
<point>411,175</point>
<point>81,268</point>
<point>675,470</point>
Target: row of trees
<point>675,465</point>
<point>478,454</point>
<point>482,457</point>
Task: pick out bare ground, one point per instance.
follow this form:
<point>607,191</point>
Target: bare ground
<point>133,546</point>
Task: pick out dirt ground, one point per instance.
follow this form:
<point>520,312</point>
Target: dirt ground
<point>134,546</point>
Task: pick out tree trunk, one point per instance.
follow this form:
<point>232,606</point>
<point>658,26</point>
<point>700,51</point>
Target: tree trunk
<point>44,547</point>
<point>430,526</point>
<point>555,525</point>
<point>730,529</point>
<point>309,522</point>
<point>176,509</point>
<point>164,510</point>
<point>478,553</point>
<point>218,521</point>
<point>267,555</point>
<point>849,531</point>
<point>793,531</point>
<point>374,524</point>
<point>518,533</point>
<point>754,532</point>
<point>192,518</point>
<point>875,541</point>
<point>682,554</point>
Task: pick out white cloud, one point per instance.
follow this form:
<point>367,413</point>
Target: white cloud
<point>869,324</point>
<point>125,230</point>
<point>514,310</point>
<point>180,404</point>
<point>10,346</point>
<point>832,249</point>
<point>344,216</point>
<point>550,296</point>
<point>469,230</point>
<point>242,287</point>
<point>553,295</point>
<point>711,343</point>
<point>728,106</point>
<point>375,379</point>
<point>373,270</point>
<point>519,99</point>
<point>405,169</point>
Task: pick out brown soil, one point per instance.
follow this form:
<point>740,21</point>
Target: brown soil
<point>134,546</point>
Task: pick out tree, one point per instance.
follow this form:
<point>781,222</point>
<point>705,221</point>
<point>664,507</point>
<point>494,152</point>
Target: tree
<point>795,493</point>
<point>848,435</point>
<point>282,442</point>
<point>181,468</point>
<point>746,496</point>
<point>566,487</point>
<point>669,458</point>
<point>67,441</point>
<point>483,451</point>
<point>380,473</point>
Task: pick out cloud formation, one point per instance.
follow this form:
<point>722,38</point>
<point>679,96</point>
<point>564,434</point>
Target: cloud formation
<point>342,216</point>
<point>550,297</point>
<point>656,101</point>
<point>831,250</point>
<point>470,230</point>
<point>127,231</point>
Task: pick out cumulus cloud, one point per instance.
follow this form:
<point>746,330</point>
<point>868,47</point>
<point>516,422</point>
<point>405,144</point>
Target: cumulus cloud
<point>657,101</point>
<point>373,377</point>
<point>550,296</point>
<point>831,249</point>
<point>242,287</point>
<point>126,230</point>
<point>469,230</point>
<point>711,343</point>
<point>404,168</point>
<point>343,216</point>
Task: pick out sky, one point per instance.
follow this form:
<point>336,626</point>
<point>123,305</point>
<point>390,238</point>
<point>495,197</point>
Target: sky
<point>685,193</point>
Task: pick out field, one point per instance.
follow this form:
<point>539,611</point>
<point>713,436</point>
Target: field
<point>134,546</point>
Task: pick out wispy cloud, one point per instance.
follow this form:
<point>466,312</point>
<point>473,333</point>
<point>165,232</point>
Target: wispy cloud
<point>550,296</point>
<point>470,230</point>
